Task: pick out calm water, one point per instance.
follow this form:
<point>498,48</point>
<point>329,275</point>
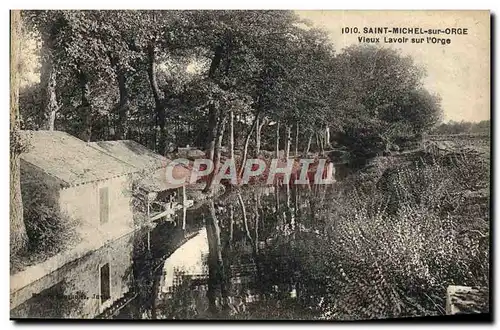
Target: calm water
<point>232,261</point>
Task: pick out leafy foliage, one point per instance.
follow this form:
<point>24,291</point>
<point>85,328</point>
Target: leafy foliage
<point>269,64</point>
<point>383,93</point>
<point>452,127</point>
<point>391,248</point>
<point>49,231</point>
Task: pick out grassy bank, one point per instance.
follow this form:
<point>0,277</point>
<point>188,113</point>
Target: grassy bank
<point>395,235</point>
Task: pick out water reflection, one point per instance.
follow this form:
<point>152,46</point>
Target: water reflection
<point>233,260</point>
<point>83,288</point>
<point>187,263</point>
<point>250,265</point>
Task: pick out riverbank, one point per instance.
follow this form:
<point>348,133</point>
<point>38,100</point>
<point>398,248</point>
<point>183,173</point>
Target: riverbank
<point>395,235</point>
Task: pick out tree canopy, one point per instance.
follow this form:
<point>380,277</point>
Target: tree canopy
<point>173,78</point>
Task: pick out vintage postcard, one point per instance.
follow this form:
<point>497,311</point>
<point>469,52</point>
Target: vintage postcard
<point>249,164</point>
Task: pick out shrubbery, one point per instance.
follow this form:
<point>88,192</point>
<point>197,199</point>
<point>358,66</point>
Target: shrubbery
<point>49,230</point>
<point>390,248</point>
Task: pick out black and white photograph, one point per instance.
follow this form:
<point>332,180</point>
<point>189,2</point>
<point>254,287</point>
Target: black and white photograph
<point>319,165</point>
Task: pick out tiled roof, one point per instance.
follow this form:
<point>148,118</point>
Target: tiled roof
<point>132,153</point>
<point>152,165</point>
<point>70,159</point>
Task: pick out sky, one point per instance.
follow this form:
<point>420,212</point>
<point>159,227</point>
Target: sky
<point>459,72</point>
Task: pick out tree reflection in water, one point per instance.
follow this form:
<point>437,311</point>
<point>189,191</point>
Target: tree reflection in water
<point>253,269</point>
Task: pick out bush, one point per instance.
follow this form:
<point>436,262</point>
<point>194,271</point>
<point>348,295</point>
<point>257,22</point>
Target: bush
<point>49,233</point>
<point>410,239</point>
<point>400,265</point>
<point>391,247</point>
<point>48,230</point>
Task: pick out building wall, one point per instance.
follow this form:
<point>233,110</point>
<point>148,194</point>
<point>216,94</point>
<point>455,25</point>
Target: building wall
<point>83,203</point>
<point>38,187</point>
<point>65,287</point>
<point>73,291</point>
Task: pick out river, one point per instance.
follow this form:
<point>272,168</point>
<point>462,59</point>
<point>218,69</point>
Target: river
<point>232,261</point>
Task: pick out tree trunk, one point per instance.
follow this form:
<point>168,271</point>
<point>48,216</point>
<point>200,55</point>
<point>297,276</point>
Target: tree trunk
<point>312,208</point>
<point>152,74</point>
<point>308,145</point>
<point>218,145</point>
<point>258,136</point>
<point>318,147</point>
<point>231,136</point>
<point>288,212</point>
<point>278,140</point>
<point>50,105</point>
<point>297,139</point>
<point>256,226</point>
<point>251,240</point>
<point>247,141</point>
<point>245,219</point>
<point>296,202</point>
<point>48,83</point>
<point>288,132</point>
<point>184,209</point>
<point>256,245</point>
<point>320,142</point>
<point>216,272</point>
<point>212,131</point>
<point>231,225</point>
<point>212,269</point>
<point>122,108</point>
<point>277,198</point>
<point>217,152</point>
<point>18,237</point>
<point>327,137</point>
<point>85,108</point>
<point>322,145</point>
<point>212,109</point>
<point>160,133</point>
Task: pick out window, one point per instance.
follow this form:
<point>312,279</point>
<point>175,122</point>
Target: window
<point>104,205</point>
<point>105,283</point>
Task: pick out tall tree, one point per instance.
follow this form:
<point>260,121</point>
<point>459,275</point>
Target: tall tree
<point>18,236</point>
<point>381,99</point>
<point>49,25</point>
<point>232,47</point>
<point>74,63</point>
<point>217,277</point>
<point>117,34</point>
<point>157,35</point>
